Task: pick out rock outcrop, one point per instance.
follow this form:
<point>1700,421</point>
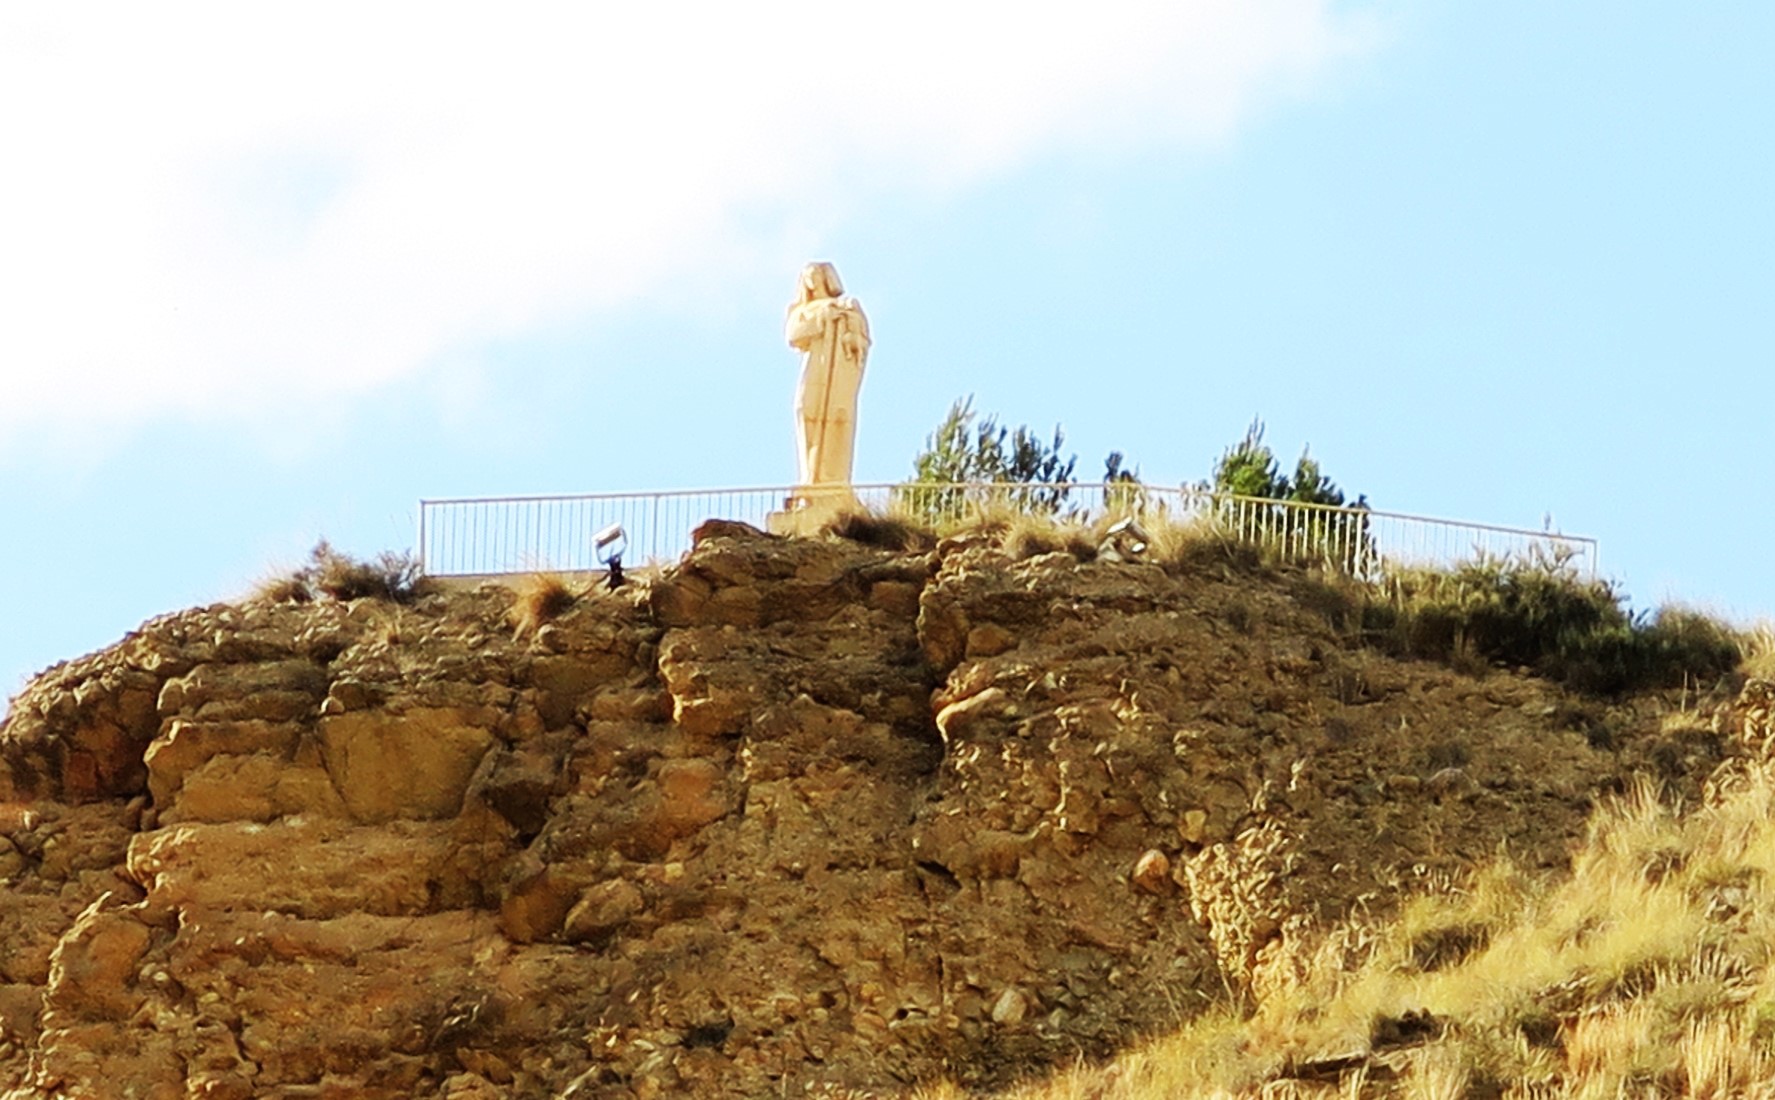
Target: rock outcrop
<point>796,817</point>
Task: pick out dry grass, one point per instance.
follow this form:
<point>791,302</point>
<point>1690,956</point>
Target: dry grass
<point>391,576</point>
<point>1191,545</point>
<point>1758,643</point>
<point>284,589</point>
<point>541,598</point>
<point>1027,536</point>
<point>1644,971</point>
<point>1020,533</point>
<point>1538,612</point>
<point>1179,544</point>
<point>891,530</point>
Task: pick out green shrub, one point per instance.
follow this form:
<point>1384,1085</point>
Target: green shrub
<point>1670,649</point>
<point>1541,614</point>
<point>966,449</point>
<point>1249,469</point>
<point>1247,473</point>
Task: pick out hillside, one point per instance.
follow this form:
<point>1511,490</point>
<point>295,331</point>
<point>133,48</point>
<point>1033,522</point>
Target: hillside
<point>795,817</point>
<point>1643,969</point>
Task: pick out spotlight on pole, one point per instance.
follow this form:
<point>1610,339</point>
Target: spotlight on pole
<point>609,545</point>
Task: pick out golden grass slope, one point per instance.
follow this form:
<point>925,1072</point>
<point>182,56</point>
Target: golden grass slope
<point>1645,971</point>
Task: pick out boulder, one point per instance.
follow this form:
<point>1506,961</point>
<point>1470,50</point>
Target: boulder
<point>187,744</point>
<point>92,972</point>
<point>308,868</point>
<point>411,765</point>
<point>602,910</point>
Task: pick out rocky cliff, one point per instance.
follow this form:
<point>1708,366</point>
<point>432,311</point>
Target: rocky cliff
<point>795,817</point>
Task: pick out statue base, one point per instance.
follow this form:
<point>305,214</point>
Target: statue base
<point>806,510</point>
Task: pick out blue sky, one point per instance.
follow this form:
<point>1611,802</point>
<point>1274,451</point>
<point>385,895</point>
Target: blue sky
<point>268,281</point>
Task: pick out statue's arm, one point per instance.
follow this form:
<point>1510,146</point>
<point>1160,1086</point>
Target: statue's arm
<point>805,324</point>
<point>858,323</point>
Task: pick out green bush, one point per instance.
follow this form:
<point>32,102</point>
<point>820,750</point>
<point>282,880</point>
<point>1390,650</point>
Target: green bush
<point>967,450</point>
<point>1541,614</point>
<point>1249,469</point>
<point>1004,470</point>
<point>1667,650</point>
<point>1327,534</point>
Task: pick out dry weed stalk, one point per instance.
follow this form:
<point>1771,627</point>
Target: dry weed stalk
<point>541,599</point>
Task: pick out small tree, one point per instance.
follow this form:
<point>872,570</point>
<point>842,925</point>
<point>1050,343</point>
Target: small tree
<point>1249,469</point>
<point>1310,486</point>
<point>1123,491</point>
<point>967,449</point>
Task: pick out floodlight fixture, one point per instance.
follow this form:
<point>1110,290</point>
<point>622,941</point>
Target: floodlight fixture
<point>609,545</point>
<point>1125,540</point>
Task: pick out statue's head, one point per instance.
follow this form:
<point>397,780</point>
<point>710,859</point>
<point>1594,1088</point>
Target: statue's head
<point>820,280</point>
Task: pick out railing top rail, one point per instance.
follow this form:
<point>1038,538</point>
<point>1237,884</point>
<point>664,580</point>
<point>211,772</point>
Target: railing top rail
<point>1011,486</point>
<point>629,494</point>
<point>625,494</point>
<point>502,534</point>
<point>1358,509</point>
<point>737,490</point>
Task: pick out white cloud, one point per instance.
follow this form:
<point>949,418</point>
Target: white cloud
<point>227,210</point>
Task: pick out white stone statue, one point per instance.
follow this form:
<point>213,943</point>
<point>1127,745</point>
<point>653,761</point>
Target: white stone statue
<point>833,336</point>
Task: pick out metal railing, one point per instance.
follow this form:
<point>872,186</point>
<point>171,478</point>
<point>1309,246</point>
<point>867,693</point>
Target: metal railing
<point>500,535</point>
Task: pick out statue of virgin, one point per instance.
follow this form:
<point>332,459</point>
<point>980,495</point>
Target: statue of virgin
<point>832,335</point>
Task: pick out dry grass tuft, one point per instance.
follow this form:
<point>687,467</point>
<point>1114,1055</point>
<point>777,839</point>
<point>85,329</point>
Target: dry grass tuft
<point>1723,1058</point>
<point>1019,532</point>
<point>991,517</point>
<point>1194,545</point>
<point>1022,533</point>
<point>1178,546</point>
<point>1758,644</point>
<point>884,531</point>
<point>286,589</point>
<point>391,576</point>
<point>541,598</point>
<point>1439,1073</point>
<point>1028,535</point>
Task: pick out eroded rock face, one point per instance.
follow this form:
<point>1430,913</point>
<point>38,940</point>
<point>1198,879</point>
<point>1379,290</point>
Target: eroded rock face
<point>795,816</point>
